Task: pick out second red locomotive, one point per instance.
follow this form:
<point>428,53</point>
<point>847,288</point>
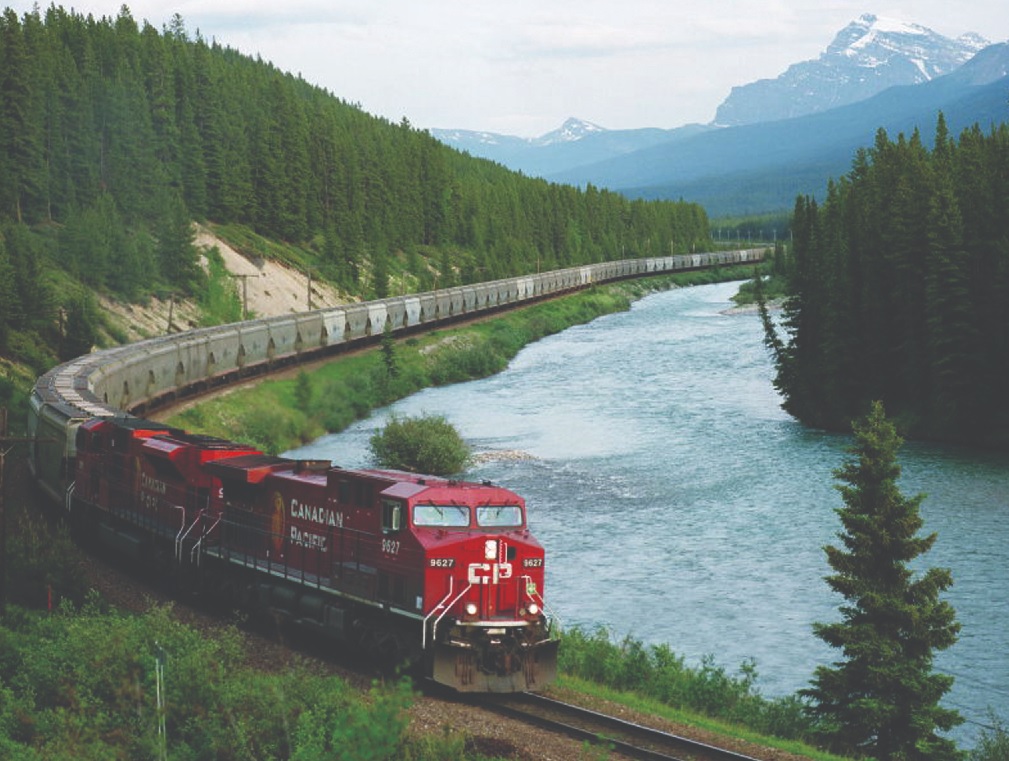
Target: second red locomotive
<point>441,572</point>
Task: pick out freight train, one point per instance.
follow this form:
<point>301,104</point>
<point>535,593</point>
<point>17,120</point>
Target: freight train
<point>443,572</point>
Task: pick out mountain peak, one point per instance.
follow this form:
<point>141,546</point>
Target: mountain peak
<point>573,129</point>
<point>871,40</point>
<point>869,55</point>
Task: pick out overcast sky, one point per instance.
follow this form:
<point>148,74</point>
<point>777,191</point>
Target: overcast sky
<point>523,66</point>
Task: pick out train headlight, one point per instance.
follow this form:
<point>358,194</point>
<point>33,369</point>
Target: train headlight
<point>534,609</point>
<point>471,609</point>
<point>490,549</point>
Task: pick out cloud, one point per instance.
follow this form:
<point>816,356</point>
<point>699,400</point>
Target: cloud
<point>529,64</point>
<point>566,38</point>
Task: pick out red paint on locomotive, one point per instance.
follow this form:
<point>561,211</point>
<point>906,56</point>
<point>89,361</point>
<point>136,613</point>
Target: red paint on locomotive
<point>445,570</point>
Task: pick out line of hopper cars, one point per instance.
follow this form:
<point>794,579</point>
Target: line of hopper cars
<point>445,573</point>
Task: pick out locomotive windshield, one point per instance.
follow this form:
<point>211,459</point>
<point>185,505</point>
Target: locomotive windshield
<point>441,515</point>
<point>499,515</point>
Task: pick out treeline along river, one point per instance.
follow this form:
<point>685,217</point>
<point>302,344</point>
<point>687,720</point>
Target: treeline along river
<point>679,504</point>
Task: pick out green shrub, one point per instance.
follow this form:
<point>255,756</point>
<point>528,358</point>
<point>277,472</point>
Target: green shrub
<point>656,672</point>
<point>426,444</point>
<point>993,743</point>
<point>218,296</point>
<point>82,684</point>
<point>40,558</point>
<point>269,428</point>
<point>303,392</point>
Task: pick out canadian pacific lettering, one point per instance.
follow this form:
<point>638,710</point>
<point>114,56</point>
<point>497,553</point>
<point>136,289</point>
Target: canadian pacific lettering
<point>323,516</point>
<point>320,516</point>
<point>153,484</point>
<point>306,539</point>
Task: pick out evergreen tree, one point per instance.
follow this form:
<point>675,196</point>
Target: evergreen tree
<point>81,326</point>
<point>31,283</point>
<point>178,256</point>
<point>952,343</point>
<point>380,275</point>
<point>389,352</point>
<point>303,392</point>
<point>19,131</point>
<point>882,699</point>
<point>10,302</point>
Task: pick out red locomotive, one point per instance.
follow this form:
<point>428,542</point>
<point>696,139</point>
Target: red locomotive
<point>444,573</point>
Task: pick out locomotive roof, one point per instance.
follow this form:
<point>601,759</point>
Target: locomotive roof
<point>426,481</point>
<point>250,469</point>
<point>407,485</point>
<point>130,423</point>
<point>142,424</point>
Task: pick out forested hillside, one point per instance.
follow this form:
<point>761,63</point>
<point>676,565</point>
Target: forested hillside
<point>115,136</point>
<point>899,290</point>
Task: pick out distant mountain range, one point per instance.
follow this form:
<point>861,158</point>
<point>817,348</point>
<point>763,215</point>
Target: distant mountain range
<point>762,167</point>
<point>786,136</point>
<point>576,143</point>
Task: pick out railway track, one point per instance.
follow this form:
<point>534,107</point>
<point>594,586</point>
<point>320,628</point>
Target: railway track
<point>627,738</point>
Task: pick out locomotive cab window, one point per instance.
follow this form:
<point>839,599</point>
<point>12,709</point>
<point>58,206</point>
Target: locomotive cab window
<point>499,516</point>
<point>392,516</point>
<point>446,516</point>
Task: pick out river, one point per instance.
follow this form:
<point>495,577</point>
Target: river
<point>679,504</point>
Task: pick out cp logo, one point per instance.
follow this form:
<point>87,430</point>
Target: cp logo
<point>488,573</point>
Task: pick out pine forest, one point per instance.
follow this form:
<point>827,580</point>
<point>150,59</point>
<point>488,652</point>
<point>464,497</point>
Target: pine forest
<point>898,290</point>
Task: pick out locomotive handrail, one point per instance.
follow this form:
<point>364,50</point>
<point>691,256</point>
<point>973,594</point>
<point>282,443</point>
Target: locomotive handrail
<point>184,532</point>
<point>193,557</point>
<point>434,626</point>
<point>182,528</point>
<point>537,596</point>
<point>435,609</point>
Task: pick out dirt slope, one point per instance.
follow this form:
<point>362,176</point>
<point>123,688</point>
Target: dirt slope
<point>268,289</point>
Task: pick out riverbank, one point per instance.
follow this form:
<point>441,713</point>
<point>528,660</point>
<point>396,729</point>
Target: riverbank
<point>278,414</point>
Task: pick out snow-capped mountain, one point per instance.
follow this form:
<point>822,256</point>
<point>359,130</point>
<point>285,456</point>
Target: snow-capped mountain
<point>866,57</point>
<point>575,142</point>
<point>572,129</point>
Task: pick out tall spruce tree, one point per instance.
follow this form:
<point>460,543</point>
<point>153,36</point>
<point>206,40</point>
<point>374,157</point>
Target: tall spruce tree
<point>10,302</point>
<point>176,251</point>
<point>882,699</point>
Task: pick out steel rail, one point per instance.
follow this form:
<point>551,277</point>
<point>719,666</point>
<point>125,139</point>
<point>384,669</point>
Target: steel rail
<point>626,737</point>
